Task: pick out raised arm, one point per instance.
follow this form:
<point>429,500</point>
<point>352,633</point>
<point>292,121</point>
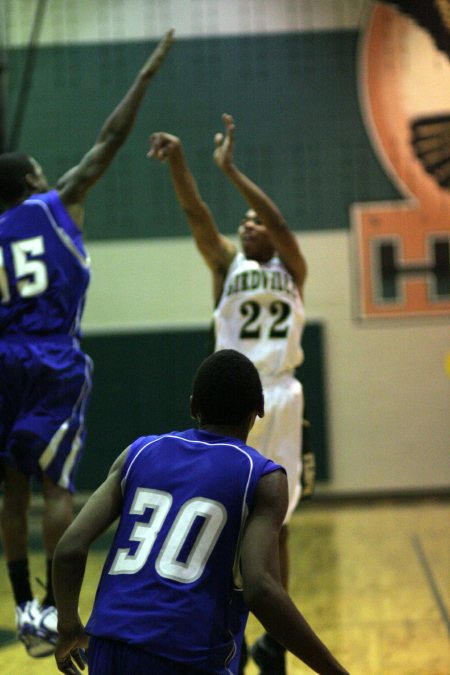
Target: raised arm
<point>217,250</point>
<point>69,564</point>
<point>263,591</point>
<point>74,184</point>
<point>284,241</point>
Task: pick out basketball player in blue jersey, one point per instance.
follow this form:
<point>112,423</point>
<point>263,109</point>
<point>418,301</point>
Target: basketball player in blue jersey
<point>194,550</point>
<point>258,299</point>
<point>45,378</point>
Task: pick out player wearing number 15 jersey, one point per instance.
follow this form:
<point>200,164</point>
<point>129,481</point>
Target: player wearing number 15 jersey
<point>195,547</point>
<point>258,306</point>
<point>45,378</point>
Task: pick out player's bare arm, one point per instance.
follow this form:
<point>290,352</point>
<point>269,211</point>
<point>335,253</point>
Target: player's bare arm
<point>263,591</point>
<point>284,241</point>
<point>69,562</point>
<point>217,250</point>
<point>74,184</point>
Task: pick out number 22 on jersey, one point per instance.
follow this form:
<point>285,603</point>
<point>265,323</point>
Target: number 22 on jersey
<point>253,325</point>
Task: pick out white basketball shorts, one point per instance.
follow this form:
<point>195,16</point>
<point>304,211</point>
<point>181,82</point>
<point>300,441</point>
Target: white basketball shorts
<point>278,435</point>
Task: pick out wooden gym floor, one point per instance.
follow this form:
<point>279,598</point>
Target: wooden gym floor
<point>372,577</point>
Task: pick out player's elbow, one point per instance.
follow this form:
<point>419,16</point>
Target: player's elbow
<point>110,140</point>
<point>70,549</point>
<point>257,592</point>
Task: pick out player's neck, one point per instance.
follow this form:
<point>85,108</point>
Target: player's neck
<point>235,431</point>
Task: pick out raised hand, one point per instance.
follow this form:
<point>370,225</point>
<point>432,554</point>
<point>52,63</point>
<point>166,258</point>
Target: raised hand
<point>158,55</point>
<point>223,154</point>
<point>162,145</point>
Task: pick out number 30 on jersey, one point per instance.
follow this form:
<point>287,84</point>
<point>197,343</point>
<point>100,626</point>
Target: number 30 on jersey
<point>145,533</point>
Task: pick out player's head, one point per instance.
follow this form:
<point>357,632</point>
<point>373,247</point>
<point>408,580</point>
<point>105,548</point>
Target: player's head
<point>20,176</point>
<point>227,390</point>
<point>255,241</point>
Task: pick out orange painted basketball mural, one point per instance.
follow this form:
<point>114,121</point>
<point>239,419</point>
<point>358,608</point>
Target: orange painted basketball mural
<point>402,249</point>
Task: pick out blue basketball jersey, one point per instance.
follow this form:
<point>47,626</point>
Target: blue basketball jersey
<point>44,270</point>
<point>170,584</point>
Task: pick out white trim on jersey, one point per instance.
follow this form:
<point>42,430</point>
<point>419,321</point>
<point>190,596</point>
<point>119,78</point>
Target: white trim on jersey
<point>84,261</point>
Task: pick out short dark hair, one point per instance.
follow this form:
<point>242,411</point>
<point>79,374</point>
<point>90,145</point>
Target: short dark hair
<point>14,166</point>
<point>227,388</point>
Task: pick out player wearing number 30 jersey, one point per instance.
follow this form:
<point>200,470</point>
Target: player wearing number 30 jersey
<point>195,548</point>
<point>186,497</point>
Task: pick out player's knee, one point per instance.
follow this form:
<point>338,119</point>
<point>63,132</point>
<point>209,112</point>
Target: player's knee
<point>15,503</point>
<point>16,493</point>
<point>51,490</point>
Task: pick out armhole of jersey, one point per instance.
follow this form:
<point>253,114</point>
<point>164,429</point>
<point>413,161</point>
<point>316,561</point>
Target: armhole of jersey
<point>236,260</point>
<point>129,460</point>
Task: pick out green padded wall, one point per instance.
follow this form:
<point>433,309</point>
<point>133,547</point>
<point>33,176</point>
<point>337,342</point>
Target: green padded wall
<point>299,131</point>
<point>142,384</point>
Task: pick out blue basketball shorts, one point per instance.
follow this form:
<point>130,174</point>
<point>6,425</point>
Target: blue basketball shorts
<point>44,393</point>
<point>111,657</point>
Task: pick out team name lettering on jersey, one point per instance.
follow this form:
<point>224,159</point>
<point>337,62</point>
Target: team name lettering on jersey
<point>252,280</point>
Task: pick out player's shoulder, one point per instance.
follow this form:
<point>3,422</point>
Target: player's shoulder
<point>263,464</point>
<point>34,211</point>
<point>237,260</point>
<point>276,262</point>
<point>40,198</point>
<point>143,443</point>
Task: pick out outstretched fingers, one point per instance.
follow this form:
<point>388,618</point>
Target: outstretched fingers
<point>166,42</point>
<point>162,145</point>
<point>154,142</point>
<point>218,139</point>
<point>229,125</point>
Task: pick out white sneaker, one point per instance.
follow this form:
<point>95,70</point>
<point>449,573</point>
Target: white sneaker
<point>47,628</point>
<point>37,628</point>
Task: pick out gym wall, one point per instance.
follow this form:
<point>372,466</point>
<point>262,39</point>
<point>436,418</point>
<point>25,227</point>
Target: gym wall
<point>288,72</point>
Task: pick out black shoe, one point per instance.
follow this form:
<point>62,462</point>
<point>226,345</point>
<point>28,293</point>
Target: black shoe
<point>269,655</point>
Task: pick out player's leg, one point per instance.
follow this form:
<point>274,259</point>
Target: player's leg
<point>59,390</point>
<point>14,528</point>
<point>16,482</point>
<point>37,622</point>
